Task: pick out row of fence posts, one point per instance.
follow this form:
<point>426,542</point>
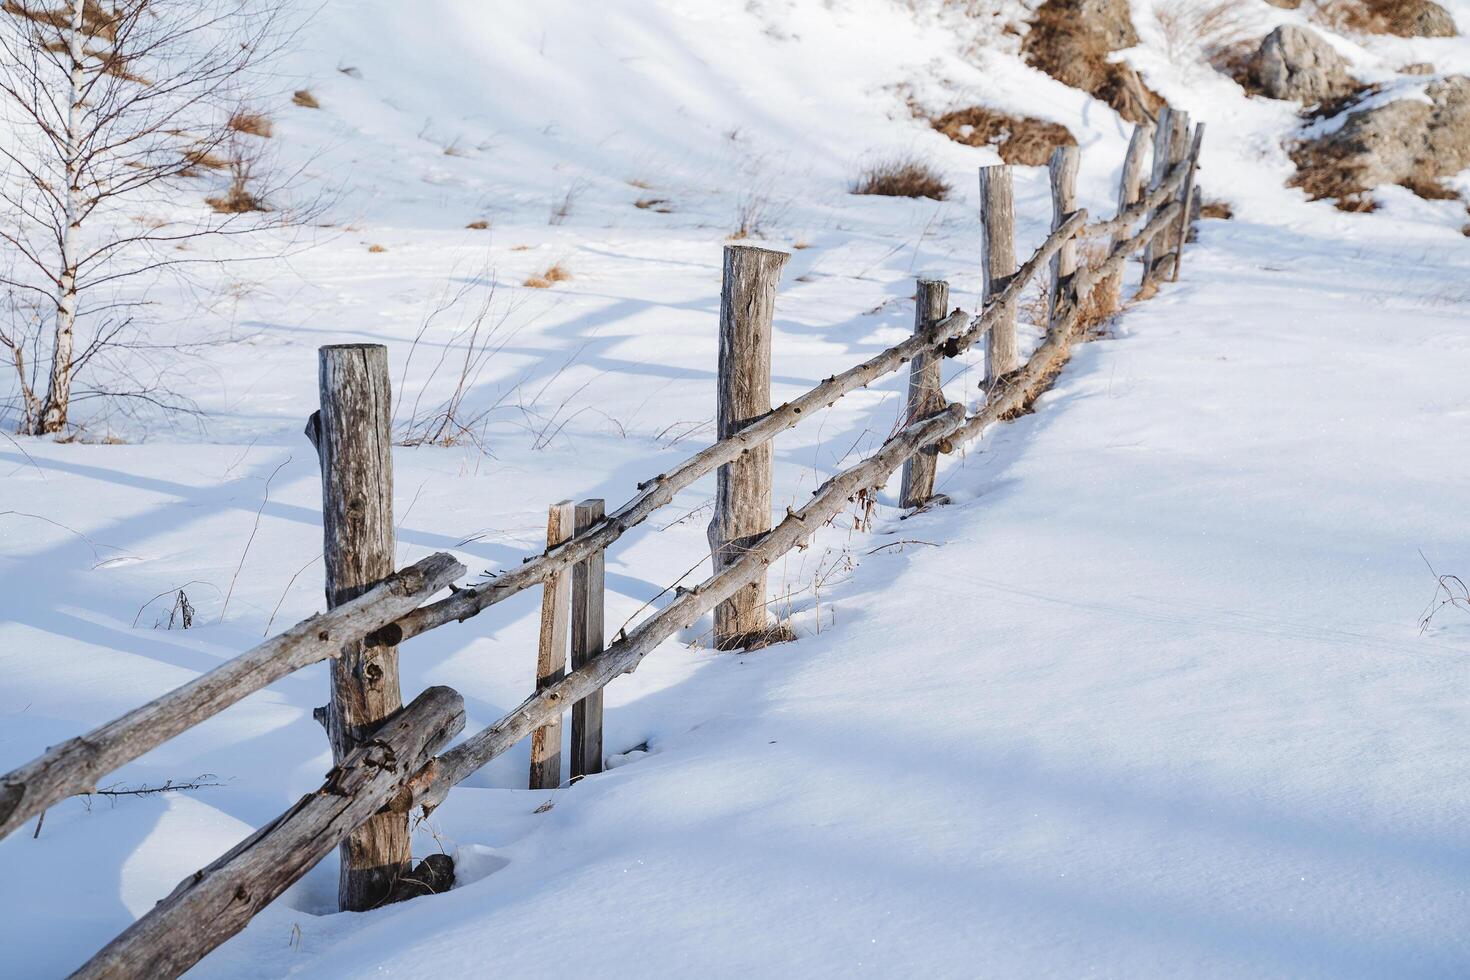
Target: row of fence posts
<point>353,438</point>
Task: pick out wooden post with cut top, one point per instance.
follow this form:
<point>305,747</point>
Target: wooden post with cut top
<point>588,584</point>
<point>1171,144</point>
<point>998,227</point>
<point>1130,192</point>
<point>1186,197</point>
<point>743,487</point>
<point>1062,169</point>
<point>551,650</point>
<point>352,433</point>
<point>931,302</point>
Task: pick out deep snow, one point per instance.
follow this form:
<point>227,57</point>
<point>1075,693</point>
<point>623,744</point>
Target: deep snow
<point>1150,698</point>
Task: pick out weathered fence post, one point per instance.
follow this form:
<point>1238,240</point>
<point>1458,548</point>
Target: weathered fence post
<point>1186,197</point>
<point>998,227</point>
<point>587,628</point>
<point>353,437</point>
<point>743,487</point>
<point>1062,169</point>
<point>931,302</point>
<point>1170,146</point>
<point>551,650</point>
<point>1130,192</point>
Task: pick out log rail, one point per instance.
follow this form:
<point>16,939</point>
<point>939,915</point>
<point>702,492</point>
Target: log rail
<point>390,767</point>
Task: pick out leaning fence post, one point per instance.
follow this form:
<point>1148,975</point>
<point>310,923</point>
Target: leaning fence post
<point>1130,192</point>
<point>587,635</point>
<point>998,227</point>
<point>1170,146</point>
<point>551,649</point>
<point>1062,169</point>
<point>743,487</point>
<point>353,437</point>
<point>931,302</point>
<point>1186,197</point>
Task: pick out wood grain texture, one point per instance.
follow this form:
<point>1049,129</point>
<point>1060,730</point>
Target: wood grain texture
<point>76,765</point>
<point>931,299</point>
<point>956,333</point>
<point>743,485</point>
<point>1186,198</point>
<point>551,649</point>
<point>588,587</point>
<point>1130,194</point>
<point>1062,170</point>
<point>998,228</point>
<point>1170,149</point>
<point>353,436</point>
<point>217,901</point>
<point>624,653</point>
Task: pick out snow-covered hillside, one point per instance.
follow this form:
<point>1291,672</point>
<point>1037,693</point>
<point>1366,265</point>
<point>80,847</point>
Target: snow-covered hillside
<point>1171,710</point>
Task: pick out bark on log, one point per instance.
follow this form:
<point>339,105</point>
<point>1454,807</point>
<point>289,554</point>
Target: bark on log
<point>743,487</point>
<point>588,586</point>
<point>76,765</point>
<point>1186,198</point>
<point>998,224</point>
<point>1170,147</point>
<point>931,299</point>
<point>956,333</point>
<point>551,650</point>
<point>216,902</point>
<point>353,436</point>
<point>1062,170</point>
<point>624,654</point>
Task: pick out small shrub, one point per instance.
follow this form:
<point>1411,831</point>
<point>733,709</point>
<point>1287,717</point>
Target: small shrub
<point>1190,28</point>
<point>305,99</point>
<point>1020,140</point>
<point>251,123</point>
<point>545,280</point>
<point>902,176</point>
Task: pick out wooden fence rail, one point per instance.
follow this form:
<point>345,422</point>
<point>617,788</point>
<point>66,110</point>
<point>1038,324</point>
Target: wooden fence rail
<point>385,755</point>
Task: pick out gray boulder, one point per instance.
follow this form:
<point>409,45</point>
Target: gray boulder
<point>1294,63</point>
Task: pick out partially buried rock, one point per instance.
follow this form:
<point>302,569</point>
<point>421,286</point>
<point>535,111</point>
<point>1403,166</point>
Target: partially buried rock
<point>1294,63</point>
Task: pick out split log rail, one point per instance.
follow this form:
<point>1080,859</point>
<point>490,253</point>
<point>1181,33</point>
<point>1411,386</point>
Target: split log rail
<point>390,760</point>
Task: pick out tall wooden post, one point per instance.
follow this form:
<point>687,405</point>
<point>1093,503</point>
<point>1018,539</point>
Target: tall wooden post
<point>551,649</point>
<point>1062,169</point>
<point>931,302</point>
<point>587,637</point>
<point>1130,192</point>
<point>1186,198</point>
<point>998,228</point>
<point>743,488</point>
<point>1170,146</point>
<point>353,437</point>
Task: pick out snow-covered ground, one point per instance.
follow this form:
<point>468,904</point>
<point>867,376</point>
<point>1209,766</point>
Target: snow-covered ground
<point>1150,698</point>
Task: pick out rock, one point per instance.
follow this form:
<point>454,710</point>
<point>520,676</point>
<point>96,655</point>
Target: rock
<point>1071,40</point>
<point>1294,63</point>
<point>1415,18</point>
<point>1408,142</point>
<point>1110,20</point>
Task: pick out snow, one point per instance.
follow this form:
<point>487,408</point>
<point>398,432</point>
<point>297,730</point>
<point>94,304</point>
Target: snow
<point>1150,698</point>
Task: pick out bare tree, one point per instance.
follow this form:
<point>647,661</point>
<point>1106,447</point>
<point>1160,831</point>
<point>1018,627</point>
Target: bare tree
<point>107,115</point>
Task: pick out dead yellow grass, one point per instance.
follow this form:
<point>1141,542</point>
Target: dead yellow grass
<point>545,280</point>
<point>481,225</point>
<point>1020,140</point>
<point>251,123</point>
<point>305,99</point>
<point>901,176</point>
<point>1063,44</point>
<point>376,249</point>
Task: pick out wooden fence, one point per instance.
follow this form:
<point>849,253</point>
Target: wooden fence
<point>388,758</point>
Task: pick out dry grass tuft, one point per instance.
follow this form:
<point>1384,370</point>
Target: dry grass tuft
<point>1191,29</point>
<point>1350,16</point>
<point>1020,140</point>
<point>376,249</point>
<point>305,99</point>
<point>1220,210</point>
<point>251,123</point>
<point>481,225</point>
<point>658,205</point>
<point>1326,171</point>
<point>545,280</point>
<point>1430,188</point>
<point>901,176</point>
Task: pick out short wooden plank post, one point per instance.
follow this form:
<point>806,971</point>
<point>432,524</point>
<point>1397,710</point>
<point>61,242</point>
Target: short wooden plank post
<point>1065,160</point>
<point>743,487</point>
<point>551,650</point>
<point>1130,192</point>
<point>1170,146</point>
<point>998,229</point>
<point>588,585</point>
<point>1186,197</point>
<point>214,903</point>
<point>931,302</point>
<point>353,436</point>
